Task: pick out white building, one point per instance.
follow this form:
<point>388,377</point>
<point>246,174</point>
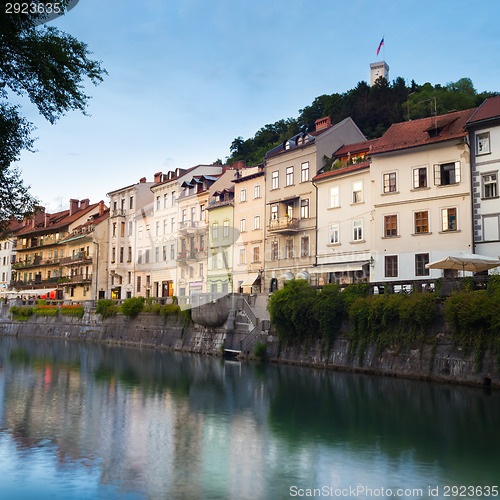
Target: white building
<point>420,180</point>
<point>484,139</point>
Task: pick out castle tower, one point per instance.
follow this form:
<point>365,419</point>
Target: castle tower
<point>377,70</point>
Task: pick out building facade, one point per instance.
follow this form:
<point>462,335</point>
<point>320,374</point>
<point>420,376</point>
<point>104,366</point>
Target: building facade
<point>291,212</point>
<point>484,140</point>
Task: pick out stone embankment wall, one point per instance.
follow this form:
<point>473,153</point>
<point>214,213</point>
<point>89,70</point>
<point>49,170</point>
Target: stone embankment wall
<point>440,361</point>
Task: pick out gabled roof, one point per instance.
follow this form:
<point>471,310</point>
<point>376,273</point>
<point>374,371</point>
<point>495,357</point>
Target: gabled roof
<point>489,110</point>
<point>425,131</point>
<point>340,171</point>
<point>358,147</point>
<point>56,221</point>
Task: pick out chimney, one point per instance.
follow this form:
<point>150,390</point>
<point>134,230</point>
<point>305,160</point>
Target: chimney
<point>84,203</point>
<point>322,123</point>
<point>73,206</point>
<point>239,164</point>
<point>46,220</point>
<point>38,216</point>
<point>142,180</point>
<point>101,208</point>
<point>158,176</point>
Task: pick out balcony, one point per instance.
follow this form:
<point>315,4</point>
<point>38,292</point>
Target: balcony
<point>82,279</point>
<point>187,255</point>
<point>284,225</point>
<point>192,226</point>
<point>25,285</point>
<point>78,258</point>
<point>118,213</point>
<point>36,262</point>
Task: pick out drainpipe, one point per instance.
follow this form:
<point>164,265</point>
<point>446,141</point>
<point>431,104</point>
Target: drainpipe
<point>96,270</point>
<point>470,142</point>
<point>316,232</point>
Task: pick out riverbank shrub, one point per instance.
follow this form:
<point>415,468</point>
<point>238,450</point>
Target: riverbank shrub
<point>76,310</point>
<point>132,306</point>
<point>106,308</point>
<point>47,311</point>
<point>291,311</point>
<point>259,350</point>
<point>475,322</point>
<point>21,313</point>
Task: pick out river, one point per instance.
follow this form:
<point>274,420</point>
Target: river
<point>89,421</point>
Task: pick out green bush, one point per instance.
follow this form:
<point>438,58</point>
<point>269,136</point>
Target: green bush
<point>106,308</point>
<point>170,310</point>
<point>73,310</point>
<point>259,350</point>
<point>20,313</point>
<point>329,312</point>
<point>47,311</point>
<point>152,308</point>
<point>291,311</point>
<point>132,307</point>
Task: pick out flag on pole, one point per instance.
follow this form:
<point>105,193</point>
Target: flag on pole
<point>380,45</point>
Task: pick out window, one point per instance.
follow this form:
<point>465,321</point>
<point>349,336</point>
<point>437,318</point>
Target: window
<point>225,229</point>
<point>256,191</point>
<point>138,284</point>
<point>193,213</point>
<point>146,256</point>
<point>334,233</point>
<point>202,213</point>
<point>274,250</point>
<point>184,215</point>
<point>130,254</point>
<point>243,225</point>
<point>122,204</point>
<point>447,174</point>
<point>304,172</point>
<point>391,266</point>
<point>173,198</point>
<point>114,229</point>
<point>164,252</point>
<point>165,200</point>
<point>419,177</point>
<point>390,225</point>
<point>140,233</point>
<point>157,254</point>
<point>131,202</point>
<point>113,254</point>
<point>421,222</point>
<point>256,254</point>
<point>242,256</point>
<point>289,249</point>
<point>158,203</point>
<point>449,219</point>
<point>130,228</point>
<point>121,254</point>
<point>157,228</point>
<point>334,197</point>
<point>201,270</point>
<point>357,192</point>
<point>289,176</point>
<point>304,209</point>
<point>275,180</point>
<point>202,243</point>
<point>304,246</point>
<point>421,259</point>
<point>214,231</point>
<point>390,182</point>
<point>357,227</point>
<point>172,225</point>
<point>256,222</point>
<point>122,229</point>
<point>483,143</point>
<point>243,195</point>
<point>489,185</point>
<point>139,257</point>
<point>274,212</point>
<point>172,251</point>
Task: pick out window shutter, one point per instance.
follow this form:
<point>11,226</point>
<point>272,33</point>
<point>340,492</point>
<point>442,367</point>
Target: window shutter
<point>457,172</point>
<point>437,175</point>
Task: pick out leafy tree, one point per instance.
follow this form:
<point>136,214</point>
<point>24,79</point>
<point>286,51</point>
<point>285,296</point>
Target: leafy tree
<point>49,67</point>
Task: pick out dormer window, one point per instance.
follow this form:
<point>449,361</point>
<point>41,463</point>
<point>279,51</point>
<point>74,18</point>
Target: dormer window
<point>300,140</point>
<point>287,145</point>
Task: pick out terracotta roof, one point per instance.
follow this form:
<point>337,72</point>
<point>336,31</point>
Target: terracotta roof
<point>340,171</point>
<point>358,147</point>
<point>488,110</point>
<point>424,131</point>
<point>56,221</point>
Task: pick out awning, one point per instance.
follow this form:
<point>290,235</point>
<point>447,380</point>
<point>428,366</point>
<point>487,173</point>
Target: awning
<point>341,267</point>
<point>251,279</point>
<point>36,291</point>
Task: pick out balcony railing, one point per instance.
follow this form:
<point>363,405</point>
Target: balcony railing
<point>120,212</point>
<point>78,278</point>
<point>284,224</point>
<point>76,259</point>
<point>185,255</point>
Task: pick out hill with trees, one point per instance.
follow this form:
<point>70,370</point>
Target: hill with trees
<point>374,109</point>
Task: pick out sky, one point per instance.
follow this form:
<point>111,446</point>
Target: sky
<point>187,77</point>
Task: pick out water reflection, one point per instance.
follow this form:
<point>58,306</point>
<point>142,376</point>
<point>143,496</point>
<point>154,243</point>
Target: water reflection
<point>95,421</point>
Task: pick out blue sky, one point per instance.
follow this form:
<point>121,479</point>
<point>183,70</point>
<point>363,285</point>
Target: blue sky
<point>187,77</point>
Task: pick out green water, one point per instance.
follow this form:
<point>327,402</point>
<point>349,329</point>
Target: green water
<point>84,421</point>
